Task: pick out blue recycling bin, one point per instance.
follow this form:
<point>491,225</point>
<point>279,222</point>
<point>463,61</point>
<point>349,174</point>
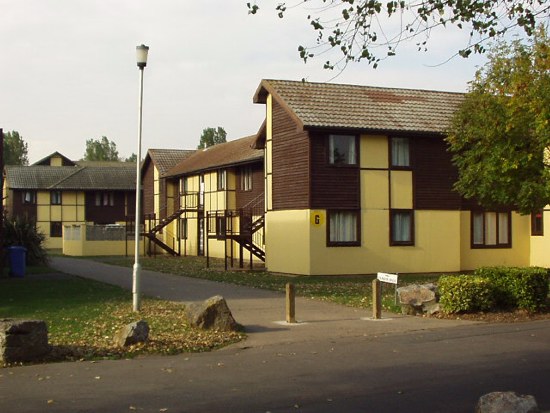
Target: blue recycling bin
<point>17,257</point>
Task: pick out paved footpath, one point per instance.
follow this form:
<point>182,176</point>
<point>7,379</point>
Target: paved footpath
<point>335,360</point>
<point>261,312</point>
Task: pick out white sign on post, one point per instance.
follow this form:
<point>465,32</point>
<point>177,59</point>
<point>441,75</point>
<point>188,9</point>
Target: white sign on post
<point>387,278</point>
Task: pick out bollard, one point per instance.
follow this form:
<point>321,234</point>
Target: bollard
<point>290,304</point>
<point>376,300</point>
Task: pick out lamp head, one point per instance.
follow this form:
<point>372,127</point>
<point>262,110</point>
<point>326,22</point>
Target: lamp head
<point>141,55</point>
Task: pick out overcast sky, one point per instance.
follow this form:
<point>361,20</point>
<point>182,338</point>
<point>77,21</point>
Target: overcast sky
<point>68,71</point>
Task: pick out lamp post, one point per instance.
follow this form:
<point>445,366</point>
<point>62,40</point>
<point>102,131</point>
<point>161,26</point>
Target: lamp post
<point>141,54</point>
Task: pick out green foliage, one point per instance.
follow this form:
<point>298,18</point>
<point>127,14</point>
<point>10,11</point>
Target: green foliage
<point>15,149</point>
<point>131,158</point>
<point>465,293</point>
<point>211,137</point>
<point>523,288</point>
<point>363,30</point>
<point>100,150</point>
<point>500,135</point>
<point>23,232</point>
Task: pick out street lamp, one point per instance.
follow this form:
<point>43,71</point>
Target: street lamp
<point>141,55</point>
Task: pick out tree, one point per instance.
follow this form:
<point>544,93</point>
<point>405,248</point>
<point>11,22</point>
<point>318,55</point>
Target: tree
<point>131,158</point>
<point>15,149</point>
<point>500,136</point>
<point>100,150</point>
<point>362,29</point>
<point>211,136</point>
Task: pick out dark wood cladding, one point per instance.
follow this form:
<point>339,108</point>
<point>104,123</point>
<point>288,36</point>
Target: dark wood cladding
<point>434,174</point>
<point>16,207</point>
<point>148,185</point>
<point>332,187</point>
<point>291,164</point>
<point>109,214</point>
<point>245,198</point>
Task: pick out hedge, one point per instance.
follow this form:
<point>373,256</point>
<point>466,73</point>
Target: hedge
<point>524,288</point>
<point>465,293</point>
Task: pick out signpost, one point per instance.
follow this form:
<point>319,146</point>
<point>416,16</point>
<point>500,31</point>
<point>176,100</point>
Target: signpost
<point>389,279</point>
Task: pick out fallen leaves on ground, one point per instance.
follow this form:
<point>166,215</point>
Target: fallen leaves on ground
<point>170,333</point>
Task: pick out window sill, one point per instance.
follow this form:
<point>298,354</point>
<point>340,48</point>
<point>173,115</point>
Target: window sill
<point>344,244</point>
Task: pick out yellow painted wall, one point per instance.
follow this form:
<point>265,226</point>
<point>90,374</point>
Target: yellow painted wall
<point>268,158</point>
<point>83,247</point>
<point>436,248</point>
<point>401,189</point>
<point>518,255</point>
<point>156,191</point>
<point>288,236</point>
<point>374,151</point>
<point>374,189</point>
<point>56,161</point>
<point>540,245</point>
<point>305,252</point>
<point>71,211</point>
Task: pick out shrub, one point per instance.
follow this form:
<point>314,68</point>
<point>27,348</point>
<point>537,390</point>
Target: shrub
<point>525,288</point>
<point>22,231</point>
<point>464,293</point>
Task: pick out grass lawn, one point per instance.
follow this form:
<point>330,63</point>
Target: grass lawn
<point>83,316</point>
<point>350,290</point>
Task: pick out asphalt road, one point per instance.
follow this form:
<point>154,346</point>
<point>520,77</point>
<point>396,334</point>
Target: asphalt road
<point>338,364</point>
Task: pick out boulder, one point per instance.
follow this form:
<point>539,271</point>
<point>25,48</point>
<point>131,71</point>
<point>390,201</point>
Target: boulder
<point>133,333</point>
<point>506,402</point>
<point>418,299</point>
<point>23,340</point>
<point>211,314</point>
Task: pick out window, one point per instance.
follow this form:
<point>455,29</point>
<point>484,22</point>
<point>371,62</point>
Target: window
<point>343,228</point>
<point>29,197</point>
<point>222,179</point>
<point>56,229</point>
<point>55,197</point>
<point>491,229</point>
<point>183,228</point>
<point>184,187</point>
<point>400,152</point>
<point>537,223</point>
<point>342,150</point>
<point>246,179</point>
<point>104,199</point>
<point>401,227</point>
<point>221,226</point>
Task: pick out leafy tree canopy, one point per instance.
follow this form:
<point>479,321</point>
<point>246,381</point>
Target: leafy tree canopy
<point>372,30</point>
<point>100,150</point>
<point>500,137</point>
<point>15,149</point>
<point>131,158</point>
<point>211,136</point>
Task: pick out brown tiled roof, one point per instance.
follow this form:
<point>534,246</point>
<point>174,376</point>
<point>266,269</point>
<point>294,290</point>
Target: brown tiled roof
<point>337,106</point>
<point>221,155</point>
<point>71,177</point>
<point>164,159</point>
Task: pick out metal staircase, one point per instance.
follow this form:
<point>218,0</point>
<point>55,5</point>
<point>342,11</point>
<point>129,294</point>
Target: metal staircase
<point>241,227</point>
<point>190,203</point>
